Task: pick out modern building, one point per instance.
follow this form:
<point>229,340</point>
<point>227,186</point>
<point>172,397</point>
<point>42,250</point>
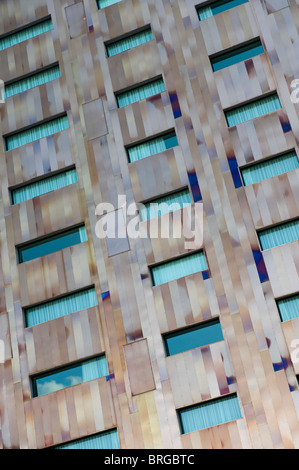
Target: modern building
<point>146,340</point>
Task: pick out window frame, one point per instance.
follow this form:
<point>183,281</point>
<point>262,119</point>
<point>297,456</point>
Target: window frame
<point>277,224</point>
<point>122,37</point>
<point>136,86</point>
<point>238,48</point>
<point>17,30</point>
<point>169,132</point>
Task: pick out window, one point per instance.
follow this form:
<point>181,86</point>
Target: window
<point>151,146</point>
<point>133,40</point>
<point>46,184</point>
<point>103,440</point>
<point>269,167</point>
<point>106,3</point>
<point>32,80</point>
<point>64,377</point>
<point>140,92</point>
<point>288,307</point>
<point>177,268</point>
<point>60,306</point>
<point>252,110</point>
<point>286,232</point>
<point>51,243</point>
<point>192,337</point>
<point>217,7</point>
<point>210,413</point>
<point>165,204</point>
<point>35,132</point>
<point>25,32</point>
<point>237,54</point>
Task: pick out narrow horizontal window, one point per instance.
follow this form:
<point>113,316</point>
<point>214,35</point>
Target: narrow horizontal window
<point>252,110</point>
<point>165,204</point>
<point>33,80</point>
<point>36,132</point>
<point>51,243</point>
<point>61,306</point>
<point>279,234</point>
<point>210,413</point>
<point>67,376</point>
<point>271,167</point>
<point>218,7</point>
<point>193,337</point>
<point>238,54</point>
<point>140,92</point>
<point>134,40</point>
<point>177,268</point>
<point>288,307</point>
<point>103,440</point>
<point>43,186</point>
<point>106,3</point>
<point>152,146</point>
<point>26,32</point>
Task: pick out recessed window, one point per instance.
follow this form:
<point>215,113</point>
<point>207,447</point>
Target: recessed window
<point>210,413</point>
<point>61,306</point>
<point>140,92</point>
<point>192,337</point>
<point>178,268</point>
<point>237,54</point>
<point>286,232</point>
<point>36,132</point>
<point>32,80</point>
<point>217,7</point>
<point>51,243</point>
<point>25,32</point>
<point>152,146</point>
<point>106,3</point>
<point>129,42</point>
<point>252,110</point>
<point>48,183</point>
<point>288,307</point>
<point>165,204</point>
<point>270,167</point>
<point>64,377</point>
<point>103,440</point>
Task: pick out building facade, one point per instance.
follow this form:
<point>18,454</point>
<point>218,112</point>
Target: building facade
<point>149,342</point>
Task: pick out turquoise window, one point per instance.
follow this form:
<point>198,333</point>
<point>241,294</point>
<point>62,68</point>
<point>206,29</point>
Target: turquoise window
<point>103,440</point>
<point>279,234</point>
<point>36,132</point>
<point>134,40</point>
<point>238,54</point>
<point>209,413</point>
<point>27,32</point>
<point>218,7</point>
<point>51,243</point>
<point>152,146</point>
<point>177,268</point>
<point>271,167</point>
<point>140,92</point>
<point>61,306</point>
<point>106,3</point>
<point>67,376</point>
<point>193,337</point>
<point>30,81</point>
<point>288,307</point>
<point>42,186</point>
<point>165,204</point>
<point>252,110</point>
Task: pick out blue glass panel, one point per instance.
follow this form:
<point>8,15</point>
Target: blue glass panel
<point>129,42</point>
<point>218,7</point>
<point>211,413</point>
<point>175,269</point>
<point>289,307</point>
<point>140,92</point>
<point>60,307</point>
<point>51,244</point>
<point>36,79</point>
<point>279,235</point>
<point>239,54</point>
<point>166,204</point>
<point>152,147</point>
<point>106,3</point>
<point>193,337</point>
<point>25,33</point>
<point>267,169</point>
<point>252,110</point>
<point>104,440</point>
<point>68,376</point>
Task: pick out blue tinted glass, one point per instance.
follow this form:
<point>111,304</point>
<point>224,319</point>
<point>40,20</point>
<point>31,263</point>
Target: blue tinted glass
<point>279,235</point>
<point>134,40</point>
<point>238,55</point>
<point>28,32</point>
<point>104,440</point>
<point>289,308</point>
<point>226,5</point>
<point>106,3</point>
<point>269,168</point>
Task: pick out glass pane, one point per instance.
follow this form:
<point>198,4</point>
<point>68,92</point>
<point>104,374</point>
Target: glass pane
<point>140,93</point>
<point>252,110</point>
<point>152,147</point>
<point>218,7</point>
<point>106,3</point>
<point>128,43</point>
<point>289,308</point>
<point>269,168</point>
<point>25,33</point>
<point>279,235</point>
<point>104,440</point>
<point>166,204</point>
<point>39,78</point>
<point>181,267</point>
<point>237,55</point>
